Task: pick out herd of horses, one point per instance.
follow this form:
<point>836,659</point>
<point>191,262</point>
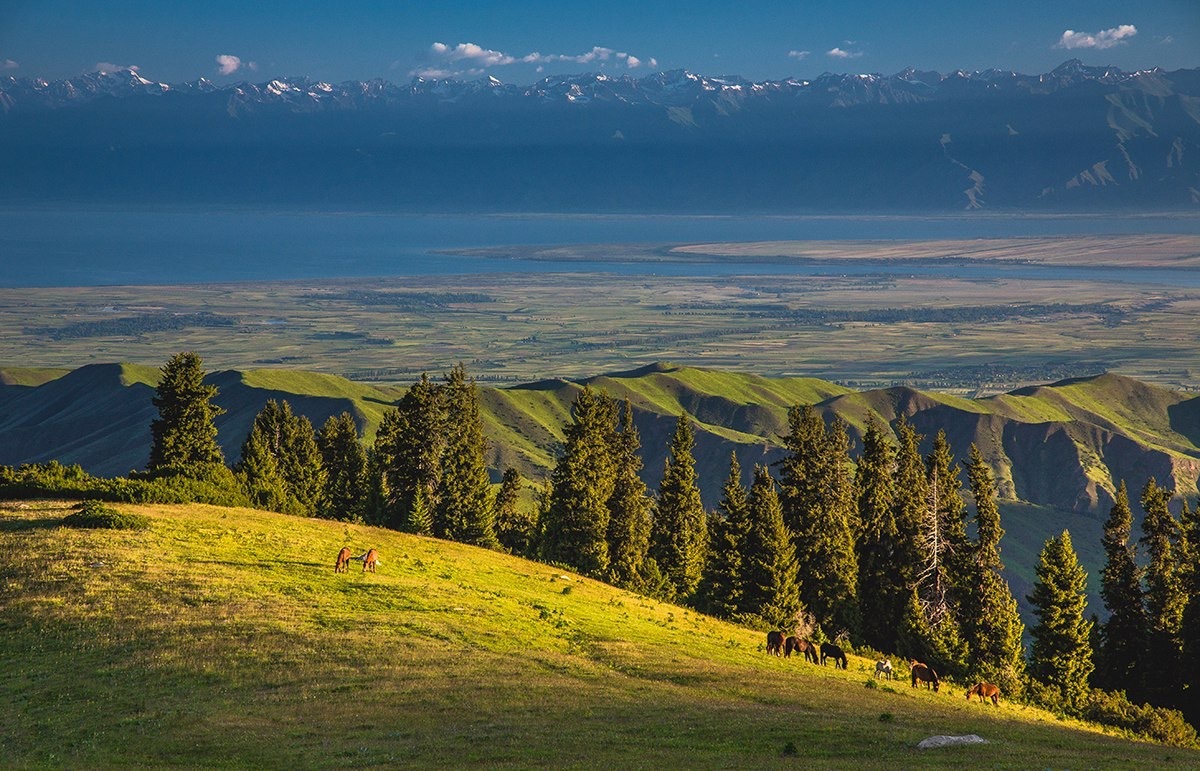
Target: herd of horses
<point>778,645</point>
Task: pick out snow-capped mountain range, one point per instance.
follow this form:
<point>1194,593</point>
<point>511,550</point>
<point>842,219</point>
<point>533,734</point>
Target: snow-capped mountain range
<point>1076,137</point>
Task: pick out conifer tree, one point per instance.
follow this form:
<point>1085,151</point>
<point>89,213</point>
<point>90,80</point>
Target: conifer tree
<point>1190,625</point>
<point>290,439</point>
<point>184,436</point>
<point>258,471</point>
<point>629,507</point>
<point>1062,653</point>
<point>1164,594</point>
<point>992,627</point>
<point>345,464</point>
<point>910,504</point>
<point>816,507</point>
<point>769,568</point>
<point>462,508</point>
<point>679,537</point>
<point>575,522</point>
<point>1123,636</point>
<point>516,529</point>
<point>722,587</point>
<point>408,453</point>
<point>882,593</point>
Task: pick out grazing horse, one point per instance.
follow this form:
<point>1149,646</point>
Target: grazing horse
<point>343,560</point>
<point>831,651</point>
<point>884,668</point>
<point>800,646</point>
<point>369,560</point>
<point>985,691</point>
<point>925,673</point>
<point>774,643</point>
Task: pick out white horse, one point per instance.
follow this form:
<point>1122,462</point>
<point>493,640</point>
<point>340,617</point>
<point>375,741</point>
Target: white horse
<point>884,668</point>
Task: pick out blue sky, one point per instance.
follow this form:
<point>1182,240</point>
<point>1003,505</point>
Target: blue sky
<point>520,42</point>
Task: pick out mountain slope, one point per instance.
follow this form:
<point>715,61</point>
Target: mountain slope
<point>1075,138</point>
<point>223,637</point>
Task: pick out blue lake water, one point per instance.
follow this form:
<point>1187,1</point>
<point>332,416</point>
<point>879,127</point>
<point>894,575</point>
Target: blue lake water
<point>93,247</point>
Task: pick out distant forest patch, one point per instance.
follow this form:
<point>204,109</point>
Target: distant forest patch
<point>408,300</point>
<point>133,325</point>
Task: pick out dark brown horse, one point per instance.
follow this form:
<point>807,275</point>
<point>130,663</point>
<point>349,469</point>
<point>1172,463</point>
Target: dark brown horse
<point>985,691</point>
<point>925,673</point>
<point>831,651</point>
<point>774,643</point>
<point>800,646</point>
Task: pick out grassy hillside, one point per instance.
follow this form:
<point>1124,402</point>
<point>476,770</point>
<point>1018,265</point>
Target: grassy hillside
<point>223,637</point>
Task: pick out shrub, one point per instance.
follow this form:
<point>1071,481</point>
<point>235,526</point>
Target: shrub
<point>1158,723</point>
<point>94,514</point>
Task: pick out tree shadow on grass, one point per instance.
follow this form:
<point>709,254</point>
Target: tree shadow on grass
<point>25,525</point>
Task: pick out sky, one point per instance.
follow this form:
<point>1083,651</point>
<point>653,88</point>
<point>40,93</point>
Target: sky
<point>522,41</point>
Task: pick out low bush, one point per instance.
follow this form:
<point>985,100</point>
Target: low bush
<point>1158,723</point>
<point>94,514</point>
<point>214,485</point>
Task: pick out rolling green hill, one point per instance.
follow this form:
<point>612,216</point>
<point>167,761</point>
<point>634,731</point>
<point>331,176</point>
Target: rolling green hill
<point>223,637</point>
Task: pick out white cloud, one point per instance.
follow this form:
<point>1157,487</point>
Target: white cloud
<point>653,62</point>
<point>799,54</point>
<point>633,62</point>
<point>1105,38</point>
<point>481,57</point>
<point>227,64</point>
<point>8,64</point>
<point>838,53</point>
<point>106,67</point>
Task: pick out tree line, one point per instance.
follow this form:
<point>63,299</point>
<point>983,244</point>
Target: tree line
<point>874,548</point>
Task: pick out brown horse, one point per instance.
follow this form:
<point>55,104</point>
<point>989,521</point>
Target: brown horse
<point>985,691</point>
<point>343,560</point>
<point>774,643</point>
<point>925,673</point>
<point>831,651</point>
<point>369,560</point>
<point>800,646</point>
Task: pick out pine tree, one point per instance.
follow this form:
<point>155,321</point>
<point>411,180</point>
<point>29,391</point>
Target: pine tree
<point>1165,597</point>
<point>258,471</point>
<point>575,521</point>
<point>817,509</point>
<point>992,627</point>
<point>516,529</point>
<point>910,504</point>
<point>769,568</point>
<point>882,593</point>
<point>679,537</point>
<point>408,451</point>
<point>289,438</point>
<point>1190,625</point>
<point>462,508</point>
<point>1062,654</point>
<point>184,436</point>
<point>345,464</point>
<point>629,508</point>
<point>722,587</point>
<point>1123,636</point>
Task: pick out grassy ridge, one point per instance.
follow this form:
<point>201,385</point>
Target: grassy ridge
<point>222,636</point>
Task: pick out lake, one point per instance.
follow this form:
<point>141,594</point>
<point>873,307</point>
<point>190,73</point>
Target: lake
<point>98,247</point>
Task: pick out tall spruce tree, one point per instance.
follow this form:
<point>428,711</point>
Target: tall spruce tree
<point>258,471</point>
<point>408,454</point>
<point>992,627</point>
<point>290,439</point>
<point>1165,597</point>
<point>345,463</point>
<point>722,588</point>
<point>1190,626</point>
<point>629,507</point>
<point>184,436</point>
<point>575,521</point>
<point>516,528</point>
<point>882,591</point>
<point>1123,635</point>
<point>462,508</point>
<point>910,504</point>
<point>769,567</point>
<point>1062,652</point>
<point>679,536</point>
<point>816,509</point>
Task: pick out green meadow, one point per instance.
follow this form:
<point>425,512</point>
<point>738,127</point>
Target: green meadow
<point>222,637</point>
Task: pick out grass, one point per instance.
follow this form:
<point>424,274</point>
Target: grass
<point>223,637</point>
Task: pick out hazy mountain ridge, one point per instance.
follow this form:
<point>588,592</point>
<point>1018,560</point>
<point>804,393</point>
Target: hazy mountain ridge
<point>1077,137</point>
<point>1064,446</point>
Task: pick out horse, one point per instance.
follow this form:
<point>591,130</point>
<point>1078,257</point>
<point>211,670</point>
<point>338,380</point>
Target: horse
<point>831,651</point>
<point>343,560</point>
<point>774,643</point>
<point>985,691</point>
<point>925,673</point>
<point>800,646</point>
<point>369,559</point>
<point>884,668</point>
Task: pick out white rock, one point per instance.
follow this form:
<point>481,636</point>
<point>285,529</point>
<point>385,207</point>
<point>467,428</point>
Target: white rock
<point>947,741</point>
